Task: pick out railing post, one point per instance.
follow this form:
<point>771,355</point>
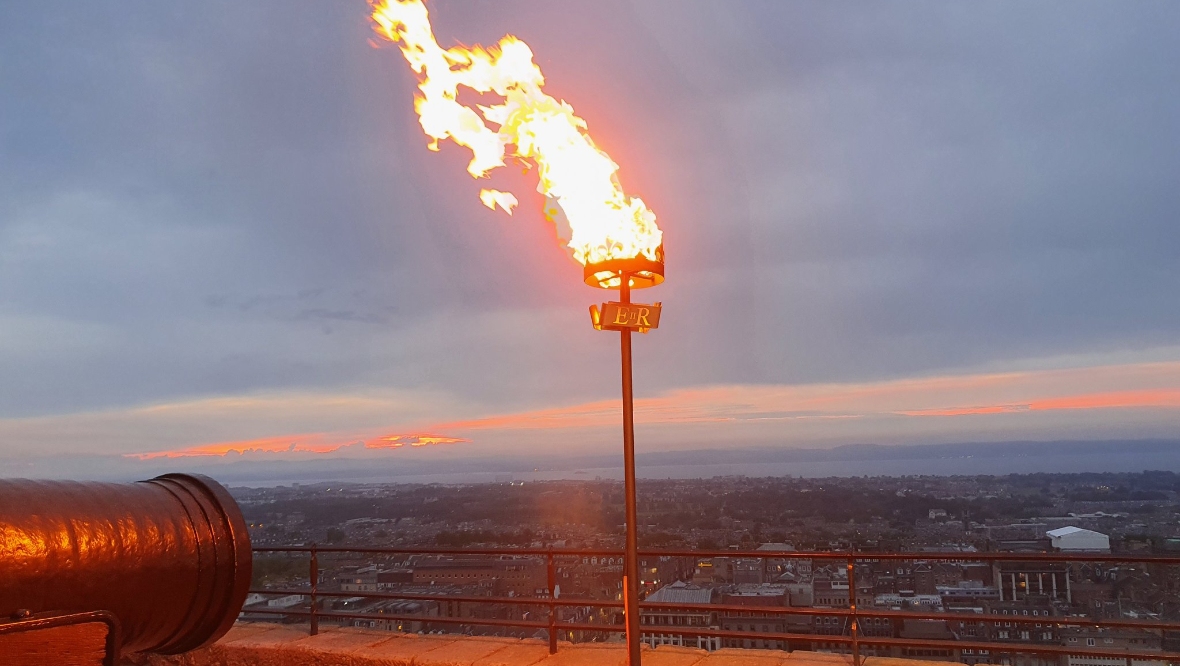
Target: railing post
<point>314,574</point>
<point>852,609</point>
<point>552,575</point>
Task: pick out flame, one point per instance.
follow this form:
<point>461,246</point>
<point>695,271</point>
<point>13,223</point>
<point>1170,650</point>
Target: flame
<point>584,199</point>
<point>493,198</point>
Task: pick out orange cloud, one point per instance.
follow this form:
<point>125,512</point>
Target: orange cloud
<point>398,441</point>
<point>1150,398</point>
<point>305,443</point>
<point>1002,396</point>
<point>313,443</point>
<point>954,395</point>
<point>968,411</point>
<point>1167,398</point>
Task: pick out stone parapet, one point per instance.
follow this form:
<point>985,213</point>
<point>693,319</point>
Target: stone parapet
<point>261,644</point>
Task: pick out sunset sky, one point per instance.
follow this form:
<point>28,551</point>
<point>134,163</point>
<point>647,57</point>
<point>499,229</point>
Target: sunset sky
<point>921,222</point>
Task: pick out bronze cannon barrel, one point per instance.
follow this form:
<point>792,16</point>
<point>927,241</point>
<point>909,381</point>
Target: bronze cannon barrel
<point>169,557</point>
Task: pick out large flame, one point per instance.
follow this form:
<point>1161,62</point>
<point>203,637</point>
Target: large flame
<point>583,196</point>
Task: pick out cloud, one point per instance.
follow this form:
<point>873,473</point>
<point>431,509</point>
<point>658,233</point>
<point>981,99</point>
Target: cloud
<point>235,202</point>
<point>315,443</point>
<point>1113,401</point>
<point>955,395</point>
<point>261,421</point>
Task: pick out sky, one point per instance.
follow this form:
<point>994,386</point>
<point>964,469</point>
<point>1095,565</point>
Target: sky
<point>915,222</point>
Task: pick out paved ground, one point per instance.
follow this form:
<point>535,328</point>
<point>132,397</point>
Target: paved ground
<point>259,644</point>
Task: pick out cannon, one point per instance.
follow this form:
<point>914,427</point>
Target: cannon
<point>163,564</point>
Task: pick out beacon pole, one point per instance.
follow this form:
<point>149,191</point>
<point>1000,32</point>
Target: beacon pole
<point>627,317</point>
<point>631,562</point>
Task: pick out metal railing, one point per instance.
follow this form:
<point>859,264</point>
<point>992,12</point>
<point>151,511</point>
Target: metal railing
<point>853,641</point>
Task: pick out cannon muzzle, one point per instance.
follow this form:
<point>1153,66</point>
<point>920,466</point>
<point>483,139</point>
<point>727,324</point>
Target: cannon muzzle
<point>169,558</point>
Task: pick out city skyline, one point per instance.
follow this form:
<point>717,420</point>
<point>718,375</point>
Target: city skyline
<point>221,231</point>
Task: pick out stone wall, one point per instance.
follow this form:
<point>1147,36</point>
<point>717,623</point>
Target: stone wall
<point>259,644</point>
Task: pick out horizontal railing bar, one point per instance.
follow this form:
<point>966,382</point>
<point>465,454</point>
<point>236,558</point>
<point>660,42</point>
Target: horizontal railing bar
<point>527,601</point>
<point>530,624</point>
<point>1019,647</point>
<point>867,611</point>
<point>862,611</point>
<point>951,644</point>
<point>654,630</point>
<point>1067,620</point>
<point>534,624</point>
<point>866,556</point>
<point>860,556</point>
<point>419,550</point>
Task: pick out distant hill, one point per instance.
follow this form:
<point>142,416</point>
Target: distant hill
<point>853,460</point>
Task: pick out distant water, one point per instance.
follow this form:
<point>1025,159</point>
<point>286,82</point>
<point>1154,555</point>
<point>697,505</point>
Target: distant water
<point>1109,461</point>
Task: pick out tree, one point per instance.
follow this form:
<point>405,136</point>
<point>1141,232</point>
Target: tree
<point>705,543</point>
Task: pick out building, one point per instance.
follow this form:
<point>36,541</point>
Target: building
<point>391,578</point>
<point>967,593</point>
<point>512,576</point>
<point>666,626</point>
<point>799,592</point>
<point>968,629</point>
<point>923,602</point>
<point>1015,531</point>
<point>1114,639</point>
<point>408,616</point>
<point>927,630</point>
<point>1017,581</point>
<point>748,570</point>
<point>774,567</point>
<point>653,573</point>
<point>358,580</point>
<point>754,621</point>
<point>1031,623</point>
<point>1077,540</point>
<point>704,572</point>
<point>285,601</point>
<point>767,595</point>
<point>830,590</point>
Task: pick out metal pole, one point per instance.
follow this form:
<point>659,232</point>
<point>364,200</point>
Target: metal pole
<point>552,576</point>
<point>314,574</point>
<point>631,563</point>
<point>852,609</point>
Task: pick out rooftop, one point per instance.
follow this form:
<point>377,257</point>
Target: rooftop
<point>1063,531</point>
<point>681,592</point>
